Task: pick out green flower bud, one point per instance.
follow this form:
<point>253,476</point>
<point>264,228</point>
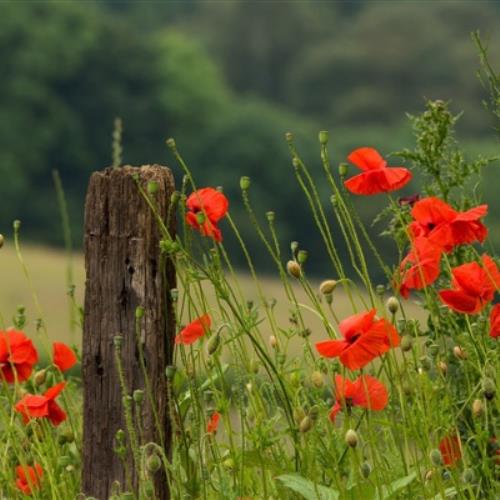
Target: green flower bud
<point>40,376</point>
<point>314,412</point>
<point>306,424</point>
<point>436,457</point>
<point>174,294</point>
<point>289,137</point>
<point>174,198</point>
<point>351,438</point>
<point>228,464</point>
<point>244,183</point>
<point>365,469</point>
<point>489,388</point>
<point>334,201</point>
<point>317,379</point>
<point>406,343</point>
<point>139,312</point>
<point>442,367</point>
<point>327,287</point>
<point>138,396</point>
<point>270,216</point>
<point>302,256</point>
<point>343,169</point>
<point>293,268</point>
<point>392,305</point>
<point>213,344</point>
<point>477,408</point>
<point>468,476</point>
<point>294,246</point>
<point>298,414</point>
<point>16,225</point>
<point>171,143</point>
<point>117,341</point>
<point>153,187</point>
<point>153,463</point>
<point>323,137</point>
<point>380,290</point>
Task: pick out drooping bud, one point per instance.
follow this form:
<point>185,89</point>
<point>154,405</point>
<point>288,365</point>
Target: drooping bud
<point>327,287</point>
<point>244,183</point>
<point>477,408</point>
<point>436,457</point>
<point>489,388</point>
<point>351,438</point>
<point>343,169</point>
<point>392,305</point>
<point>213,344</point>
<point>40,377</point>
<point>306,424</point>
<point>153,463</point>
<point>365,469</point>
<point>293,268</point>
<point>317,379</point>
<point>459,353</point>
<point>294,246</point>
<point>406,343</point>
<point>323,137</point>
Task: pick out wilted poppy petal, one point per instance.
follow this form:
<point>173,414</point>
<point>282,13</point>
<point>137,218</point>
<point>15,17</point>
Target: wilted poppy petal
<point>64,356</point>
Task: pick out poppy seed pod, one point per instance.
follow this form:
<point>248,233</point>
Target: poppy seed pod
<point>323,137</point>
<point>392,305</point>
<point>2,240</point>
<point>293,268</point>
<point>436,457</point>
<point>459,353</point>
<point>327,287</point>
<point>351,438</point>
<point>477,408</point>
<point>244,183</point>
<point>306,424</point>
<point>406,343</point>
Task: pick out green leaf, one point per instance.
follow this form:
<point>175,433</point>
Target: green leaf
<point>395,486</point>
<point>308,489</point>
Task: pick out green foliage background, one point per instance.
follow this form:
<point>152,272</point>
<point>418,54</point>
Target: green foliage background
<point>227,80</point>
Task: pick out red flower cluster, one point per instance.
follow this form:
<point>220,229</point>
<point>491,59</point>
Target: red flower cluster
<point>365,392</point>
<point>376,177</point>
<point>364,339</point>
<point>196,329</point>
<point>28,478</point>
<point>36,406</point>
<point>205,208</point>
<point>17,356</point>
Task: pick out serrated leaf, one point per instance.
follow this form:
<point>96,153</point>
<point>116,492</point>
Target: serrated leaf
<point>306,488</point>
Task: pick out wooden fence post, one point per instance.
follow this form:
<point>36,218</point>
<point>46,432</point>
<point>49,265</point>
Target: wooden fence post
<point>124,271</point>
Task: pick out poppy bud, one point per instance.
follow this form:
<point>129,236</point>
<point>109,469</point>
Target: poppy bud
<point>459,353</point>
<point>138,396</point>
<point>314,413</point>
<point>298,414</point>
<point>317,379</point>
<point>406,343</point>
<point>293,268</point>
<point>327,287</point>
<point>323,137</point>
<point>174,294</point>
<point>40,377</point>
<point>306,424</point>
<point>489,389</point>
<point>139,312</point>
<point>351,438</point>
<point>273,341</point>
<point>120,435</point>
<point>153,463</point>
<point>294,245</point>
<point>174,198</point>
<point>171,143</point>
<point>428,475</point>
<point>213,344</point>
<point>170,372</point>
<point>477,408</point>
<point>468,476</point>
<point>436,457</point>
<point>244,183</point>
<point>343,169</point>
<point>289,137</point>
<point>270,216</point>
<point>442,367</point>
<point>302,256</point>
<point>16,225</point>
<point>2,240</point>
<point>392,305</point>
<point>228,463</point>
<point>380,289</point>
<point>365,469</point>
<point>153,187</point>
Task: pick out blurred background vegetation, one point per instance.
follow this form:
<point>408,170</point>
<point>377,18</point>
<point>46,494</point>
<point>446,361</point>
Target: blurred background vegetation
<point>227,80</point>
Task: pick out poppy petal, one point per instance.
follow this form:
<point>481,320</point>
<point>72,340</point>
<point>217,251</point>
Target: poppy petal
<point>395,178</point>
<point>461,302</point>
<point>370,393</point>
<point>357,323</point>
<point>54,391</point>
<point>333,412</point>
<point>56,414</point>
<point>451,450</point>
<point>63,356</point>
<point>331,348</point>
<point>495,321</point>
<point>367,159</point>
<point>196,329</point>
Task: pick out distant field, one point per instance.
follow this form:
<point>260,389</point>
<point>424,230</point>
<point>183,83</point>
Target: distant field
<point>47,269</point>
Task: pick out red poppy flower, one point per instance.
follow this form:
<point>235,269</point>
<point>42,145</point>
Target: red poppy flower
<point>364,339</point>
<point>445,226</point>
<point>420,267</point>
<point>213,423</point>
<point>495,321</point>
<point>473,286</point>
<point>64,356</point>
<point>210,205</point>
<point>36,406</point>
<point>376,177</point>
<point>196,329</point>
<point>451,449</point>
<point>28,478</point>
<point>366,392</point>
<point>17,356</point>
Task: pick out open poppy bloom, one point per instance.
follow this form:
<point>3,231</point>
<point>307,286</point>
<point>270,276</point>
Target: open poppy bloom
<point>364,339</point>
<point>445,226</point>
<point>451,449</point>
<point>474,286</point>
<point>205,208</point>
<point>36,406</point>
<point>376,177</point>
<point>17,356</point>
<point>420,267</point>
<point>213,423</point>
<point>63,356</point>
<point>28,477</point>
<point>365,392</point>
<point>495,321</point>
<point>192,332</point>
